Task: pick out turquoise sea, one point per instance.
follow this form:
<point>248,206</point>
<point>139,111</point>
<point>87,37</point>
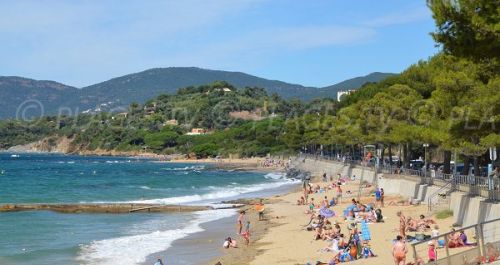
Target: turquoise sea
<point>42,237</point>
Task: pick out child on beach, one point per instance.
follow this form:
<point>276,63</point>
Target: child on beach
<point>246,234</point>
<point>367,251</point>
<point>431,251</point>
<point>301,201</point>
<point>229,243</point>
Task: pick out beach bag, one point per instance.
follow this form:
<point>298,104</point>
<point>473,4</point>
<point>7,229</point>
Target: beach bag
<point>380,218</point>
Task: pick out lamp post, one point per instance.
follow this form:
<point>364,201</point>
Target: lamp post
<point>425,157</point>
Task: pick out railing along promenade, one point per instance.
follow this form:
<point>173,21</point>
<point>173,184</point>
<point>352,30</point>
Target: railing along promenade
<point>486,187</point>
<point>483,235</point>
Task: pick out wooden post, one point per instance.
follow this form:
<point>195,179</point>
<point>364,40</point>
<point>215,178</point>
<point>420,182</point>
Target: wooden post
<point>480,238</point>
<point>414,253</point>
<point>447,250</point>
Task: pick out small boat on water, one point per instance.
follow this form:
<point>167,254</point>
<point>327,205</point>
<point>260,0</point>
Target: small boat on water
<point>14,155</point>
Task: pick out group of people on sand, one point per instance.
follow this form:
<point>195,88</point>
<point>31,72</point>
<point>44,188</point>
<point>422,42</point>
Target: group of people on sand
<point>243,226</point>
<point>331,185</point>
<point>409,224</point>
<point>345,245</point>
<point>274,163</point>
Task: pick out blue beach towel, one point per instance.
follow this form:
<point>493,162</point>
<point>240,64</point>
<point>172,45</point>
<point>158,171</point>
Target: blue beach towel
<point>365,232</point>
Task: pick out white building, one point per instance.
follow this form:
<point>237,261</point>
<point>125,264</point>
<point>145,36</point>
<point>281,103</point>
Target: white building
<point>341,93</point>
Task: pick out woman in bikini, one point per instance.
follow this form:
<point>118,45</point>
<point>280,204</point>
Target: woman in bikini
<point>240,222</point>
<point>399,251</point>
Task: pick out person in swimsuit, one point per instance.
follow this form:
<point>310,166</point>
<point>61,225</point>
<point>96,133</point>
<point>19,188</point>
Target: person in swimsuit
<point>399,251</point>
<point>431,251</point>
<point>339,194</point>
<point>260,209</point>
<point>402,224</point>
<point>382,197</point>
<point>240,221</point>
<point>246,234</point>
<point>326,203</point>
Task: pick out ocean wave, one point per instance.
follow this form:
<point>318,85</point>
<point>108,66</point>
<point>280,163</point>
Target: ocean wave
<point>194,168</point>
<point>274,176</point>
<point>145,187</point>
<point>217,193</point>
<point>135,249</point>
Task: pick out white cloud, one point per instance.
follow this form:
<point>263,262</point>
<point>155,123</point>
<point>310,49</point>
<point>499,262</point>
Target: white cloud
<point>402,17</point>
<point>67,40</point>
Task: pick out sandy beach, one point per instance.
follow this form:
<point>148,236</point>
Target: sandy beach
<point>282,238</point>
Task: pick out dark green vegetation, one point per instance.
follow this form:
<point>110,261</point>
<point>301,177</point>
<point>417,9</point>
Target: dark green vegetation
<point>246,122</point>
<point>116,94</point>
<point>451,102</point>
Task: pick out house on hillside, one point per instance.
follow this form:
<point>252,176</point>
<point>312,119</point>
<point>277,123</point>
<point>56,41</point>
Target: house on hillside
<point>197,131</point>
<point>171,122</point>
<point>341,93</point>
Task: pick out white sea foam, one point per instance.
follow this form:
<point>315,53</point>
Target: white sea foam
<point>145,187</point>
<point>218,193</point>
<point>187,168</point>
<point>274,176</point>
<point>134,249</point>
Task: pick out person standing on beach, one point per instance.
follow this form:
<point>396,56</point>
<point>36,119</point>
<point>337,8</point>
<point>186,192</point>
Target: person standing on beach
<point>260,209</point>
<point>382,197</point>
<point>378,197</point>
<point>246,234</point>
<point>339,194</point>
<point>402,224</point>
<point>240,222</point>
<point>431,252</point>
<point>399,251</point>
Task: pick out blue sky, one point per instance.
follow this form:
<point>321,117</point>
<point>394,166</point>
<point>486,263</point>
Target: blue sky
<point>313,43</point>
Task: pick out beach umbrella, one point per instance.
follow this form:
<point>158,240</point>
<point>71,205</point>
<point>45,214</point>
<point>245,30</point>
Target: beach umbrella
<point>327,213</point>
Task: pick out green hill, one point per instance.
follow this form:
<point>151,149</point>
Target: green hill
<point>355,83</point>
<point>116,94</point>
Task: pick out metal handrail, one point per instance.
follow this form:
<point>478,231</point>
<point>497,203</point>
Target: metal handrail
<point>479,233</point>
<point>476,185</point>
<point>429,199</point>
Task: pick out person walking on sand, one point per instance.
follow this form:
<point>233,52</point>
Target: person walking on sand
<point>259,207</point>
<point>240,221</point>
<point>399,251</point>
<point>402,224</point>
